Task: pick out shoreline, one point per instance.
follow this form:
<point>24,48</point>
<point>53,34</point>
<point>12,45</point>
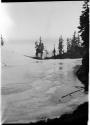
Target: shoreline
<point>79,116</point>
<point>81,112</point>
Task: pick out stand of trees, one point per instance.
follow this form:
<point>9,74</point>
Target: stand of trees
<point>74,48</point>
<point>39,48</point>
<point>83,72</point>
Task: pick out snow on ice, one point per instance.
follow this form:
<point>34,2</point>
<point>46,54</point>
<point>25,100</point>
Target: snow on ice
<point>32,89</point>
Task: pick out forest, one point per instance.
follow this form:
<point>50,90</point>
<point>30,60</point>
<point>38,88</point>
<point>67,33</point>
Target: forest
<point>73,44</point>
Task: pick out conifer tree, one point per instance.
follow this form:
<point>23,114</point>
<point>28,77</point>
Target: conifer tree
<point>84,25</point>
<point>68,45</point>
<point>2,42</point>
<point>84,33</point>
<point>60,46</point>
<point>54,52</point>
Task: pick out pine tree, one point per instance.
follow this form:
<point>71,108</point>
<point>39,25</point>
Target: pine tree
<point>73,44</point>
<point>74,40</point>
<point>60,46</point>
<point>2,42</point>
<point>84,25</point>
<point>84,33</point>
<point>54,52</point>
<point>68,45</point>
<point>78,41</point>
<point>36,47</point>
<point>39,47</point>
<point>74,48</point>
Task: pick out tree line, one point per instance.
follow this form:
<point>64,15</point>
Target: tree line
<point>83,72</point>
<point>74,48</point>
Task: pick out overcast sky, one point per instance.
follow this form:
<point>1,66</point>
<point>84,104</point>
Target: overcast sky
<point>33,19</point>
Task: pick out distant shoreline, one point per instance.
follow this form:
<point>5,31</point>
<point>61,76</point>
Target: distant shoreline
<point>38,58</point>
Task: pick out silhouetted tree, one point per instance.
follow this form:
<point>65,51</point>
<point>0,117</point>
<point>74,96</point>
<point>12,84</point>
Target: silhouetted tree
<point>78,41</point>
<point>36,47</point>
<point>84,25</point>
<point>84,33</point>
<point>54,52</point>
<point>39,48</point>
<point>74,48</point>
<point>60,46</point>
<point>2,42</point>
<point>74,42</point>
<point>68,45</point>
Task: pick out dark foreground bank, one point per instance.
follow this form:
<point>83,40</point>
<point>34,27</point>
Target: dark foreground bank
<point>79,116</point>
<point>83,72</point>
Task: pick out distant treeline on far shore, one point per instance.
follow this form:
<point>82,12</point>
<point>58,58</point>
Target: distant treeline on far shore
<point>74,49</point>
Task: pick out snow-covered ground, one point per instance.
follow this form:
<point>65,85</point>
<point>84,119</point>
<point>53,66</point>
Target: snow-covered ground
<point>33,89</point>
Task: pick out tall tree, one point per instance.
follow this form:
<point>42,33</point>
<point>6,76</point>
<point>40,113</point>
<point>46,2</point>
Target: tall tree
<point>84,32</point>
<point>2,42</point>
<point>54,52</point>
<point>68,45</point>
<point>74,40</point>
<point>73,43</point>
<point>39,48</point>
<point>84,25</point>
<point>78,40</point>
<point>60,46</point>
<point>74,49</point>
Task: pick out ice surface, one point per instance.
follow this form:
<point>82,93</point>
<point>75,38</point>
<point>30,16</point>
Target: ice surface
<point>32,89</point>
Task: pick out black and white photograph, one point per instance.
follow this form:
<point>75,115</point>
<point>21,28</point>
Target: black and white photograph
<point>44,62</point>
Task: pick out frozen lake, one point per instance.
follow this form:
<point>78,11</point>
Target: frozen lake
<point>33,89</point>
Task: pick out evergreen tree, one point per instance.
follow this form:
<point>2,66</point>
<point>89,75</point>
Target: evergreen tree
<point>74,48</point>
<point>84,28</point>
<point>84,33</point>
<point>39,48</point>
<point>60,46</point>
<point>54,52</point>
<point>74,41</point>
<point>2,42</point>
<point>68,45</point>
<point>36,47</point>
<point>75,44</point>
<point>78,41</point>
<point>84,25</point>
